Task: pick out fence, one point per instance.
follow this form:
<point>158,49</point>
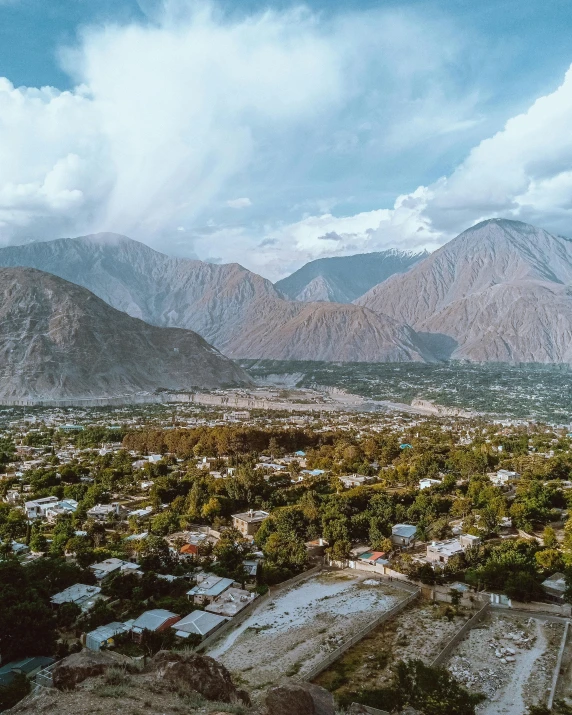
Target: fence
<point>558,666</point>
<point>246,612</point>
<point>336,654</point>
<point>458,637</point>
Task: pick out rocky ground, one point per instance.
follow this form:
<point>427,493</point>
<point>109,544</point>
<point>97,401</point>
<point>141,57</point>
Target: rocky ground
<point>510,659</point>
<point>293,631</point>
<point>421,631</point>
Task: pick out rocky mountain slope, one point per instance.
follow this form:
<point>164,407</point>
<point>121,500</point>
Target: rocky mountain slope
<point>239,312</point>
<point>342,279</point>
<point>500,291</point>
<point>59,340</point>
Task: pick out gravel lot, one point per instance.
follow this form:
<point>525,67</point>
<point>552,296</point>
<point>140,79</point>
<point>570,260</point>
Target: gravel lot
<point>290,633</point>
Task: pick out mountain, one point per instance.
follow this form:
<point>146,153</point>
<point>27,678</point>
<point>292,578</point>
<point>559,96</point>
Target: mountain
<point>239,312</point>
<point>342,279</point>
<point>500,291</point>
<point>58,340</point>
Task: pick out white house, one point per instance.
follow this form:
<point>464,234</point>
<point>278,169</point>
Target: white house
<point>426,483</point>
<point>37,509</point>
<point>503,477</point>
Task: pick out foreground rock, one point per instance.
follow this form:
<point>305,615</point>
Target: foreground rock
<point>299,698</point>
<point>199,673</point>
<point>78,667</point>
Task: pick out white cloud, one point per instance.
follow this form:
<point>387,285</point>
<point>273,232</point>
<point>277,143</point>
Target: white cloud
<point>239,203</point>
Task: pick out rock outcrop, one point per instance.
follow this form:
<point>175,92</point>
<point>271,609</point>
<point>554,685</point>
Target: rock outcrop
<point>77,667</point>
<point>58,340</point>
<point>198,673</point>
<point>299,698</point>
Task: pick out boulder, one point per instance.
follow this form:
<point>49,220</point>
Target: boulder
<point>299,698</point>
<point>78,666</point>
<point>200,673</point>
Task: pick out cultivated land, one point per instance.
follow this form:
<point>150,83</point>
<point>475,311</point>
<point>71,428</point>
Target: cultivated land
<point>419,632</point>
<point>528,647</point>
<point>291,633</point>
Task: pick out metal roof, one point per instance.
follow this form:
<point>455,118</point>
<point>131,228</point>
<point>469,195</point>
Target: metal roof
<point>199,622</point>
<point>152,620</point>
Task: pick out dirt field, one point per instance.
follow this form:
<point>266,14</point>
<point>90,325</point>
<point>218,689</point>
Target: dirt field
<point>509,658</point>
<point>421,631</point>
<point>289,634</point>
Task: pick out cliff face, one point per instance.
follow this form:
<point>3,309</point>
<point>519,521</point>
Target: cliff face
<point>498,292</point>
<point>58,340</point>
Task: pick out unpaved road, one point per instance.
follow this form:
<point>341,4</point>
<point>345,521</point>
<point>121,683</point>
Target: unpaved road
<point>510,699</point>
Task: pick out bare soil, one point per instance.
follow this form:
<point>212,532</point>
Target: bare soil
<point>289,634</point>
<point>419,632</point>
<point>510,659</point>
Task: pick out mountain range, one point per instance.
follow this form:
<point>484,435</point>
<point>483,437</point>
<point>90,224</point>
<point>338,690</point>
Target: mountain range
<point>58,340</point>
<point>500,291</point>
<point>237,311</point>
<point>343,279</point>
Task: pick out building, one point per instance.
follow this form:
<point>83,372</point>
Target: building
<point>103,636</point>
<point>231,602</point>
<point>555,586</point>
<point>373,558</point>
<point>209,586</point>
<point>155,620</point>
<point>101,512</point>
<point>66,506</point>
<point>427,483</point>
<point>439,552</point>
<point>503,477</point>
<point>356,480</point>
<point>27,666</point>
<point>468,541</point>
<point>82,595</point>
<point>37,509</point>
<point>198,623</point>
<point>109,567</point>
<point>249,522</point>
<point>403,535</point>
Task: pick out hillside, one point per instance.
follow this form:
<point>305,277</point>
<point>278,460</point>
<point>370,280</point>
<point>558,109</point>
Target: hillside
<point>238,311</point>
<point>497,292</point>
<point>58,340</point>
<point>342,279</point>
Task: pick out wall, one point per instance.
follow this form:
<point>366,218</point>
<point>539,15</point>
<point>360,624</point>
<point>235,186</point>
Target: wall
<point>336,654</point>
<point>458,637</point>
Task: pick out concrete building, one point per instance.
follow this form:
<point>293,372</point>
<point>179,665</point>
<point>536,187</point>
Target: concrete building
<point>249,522</point>
<point>403,535</point>
<point>209,586</point>
<point>81,594</point>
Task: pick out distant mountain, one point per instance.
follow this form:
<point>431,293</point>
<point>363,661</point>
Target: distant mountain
<point>58,340</point>
<point>500,291</point>
<point>239,312</point>
<point>342,279</point>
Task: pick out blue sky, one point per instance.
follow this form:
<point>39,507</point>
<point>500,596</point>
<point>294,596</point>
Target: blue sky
<point>272,133</point>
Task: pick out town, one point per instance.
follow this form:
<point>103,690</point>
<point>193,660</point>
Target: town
<point>339,543</point>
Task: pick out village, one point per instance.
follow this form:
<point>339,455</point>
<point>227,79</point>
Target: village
<point>337,542</point>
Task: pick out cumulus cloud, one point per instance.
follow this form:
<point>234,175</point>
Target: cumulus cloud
<point>243,203</point>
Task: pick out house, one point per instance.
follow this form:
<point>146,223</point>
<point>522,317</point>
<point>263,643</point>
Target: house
<point>101,512</point>
<point>27,666</point>
<point>109,567</point>
<point>440,552</point>
<point>103,636</point>
<point>403,535</point>
<point>373,558</point>
<point>82,595</point>
<point>209,586</point>
<point>66,506</point>
<point>426,483</point>
<point>356,480</point>
<point>502,477</point>
<point>555,586</point>
<point>249,522</point>
<point>37,509</point>
<point>231,602</point>
<point>198,623</point>
<point>155,620</point>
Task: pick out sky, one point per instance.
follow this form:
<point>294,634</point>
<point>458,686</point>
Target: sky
<point>273,133</point>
